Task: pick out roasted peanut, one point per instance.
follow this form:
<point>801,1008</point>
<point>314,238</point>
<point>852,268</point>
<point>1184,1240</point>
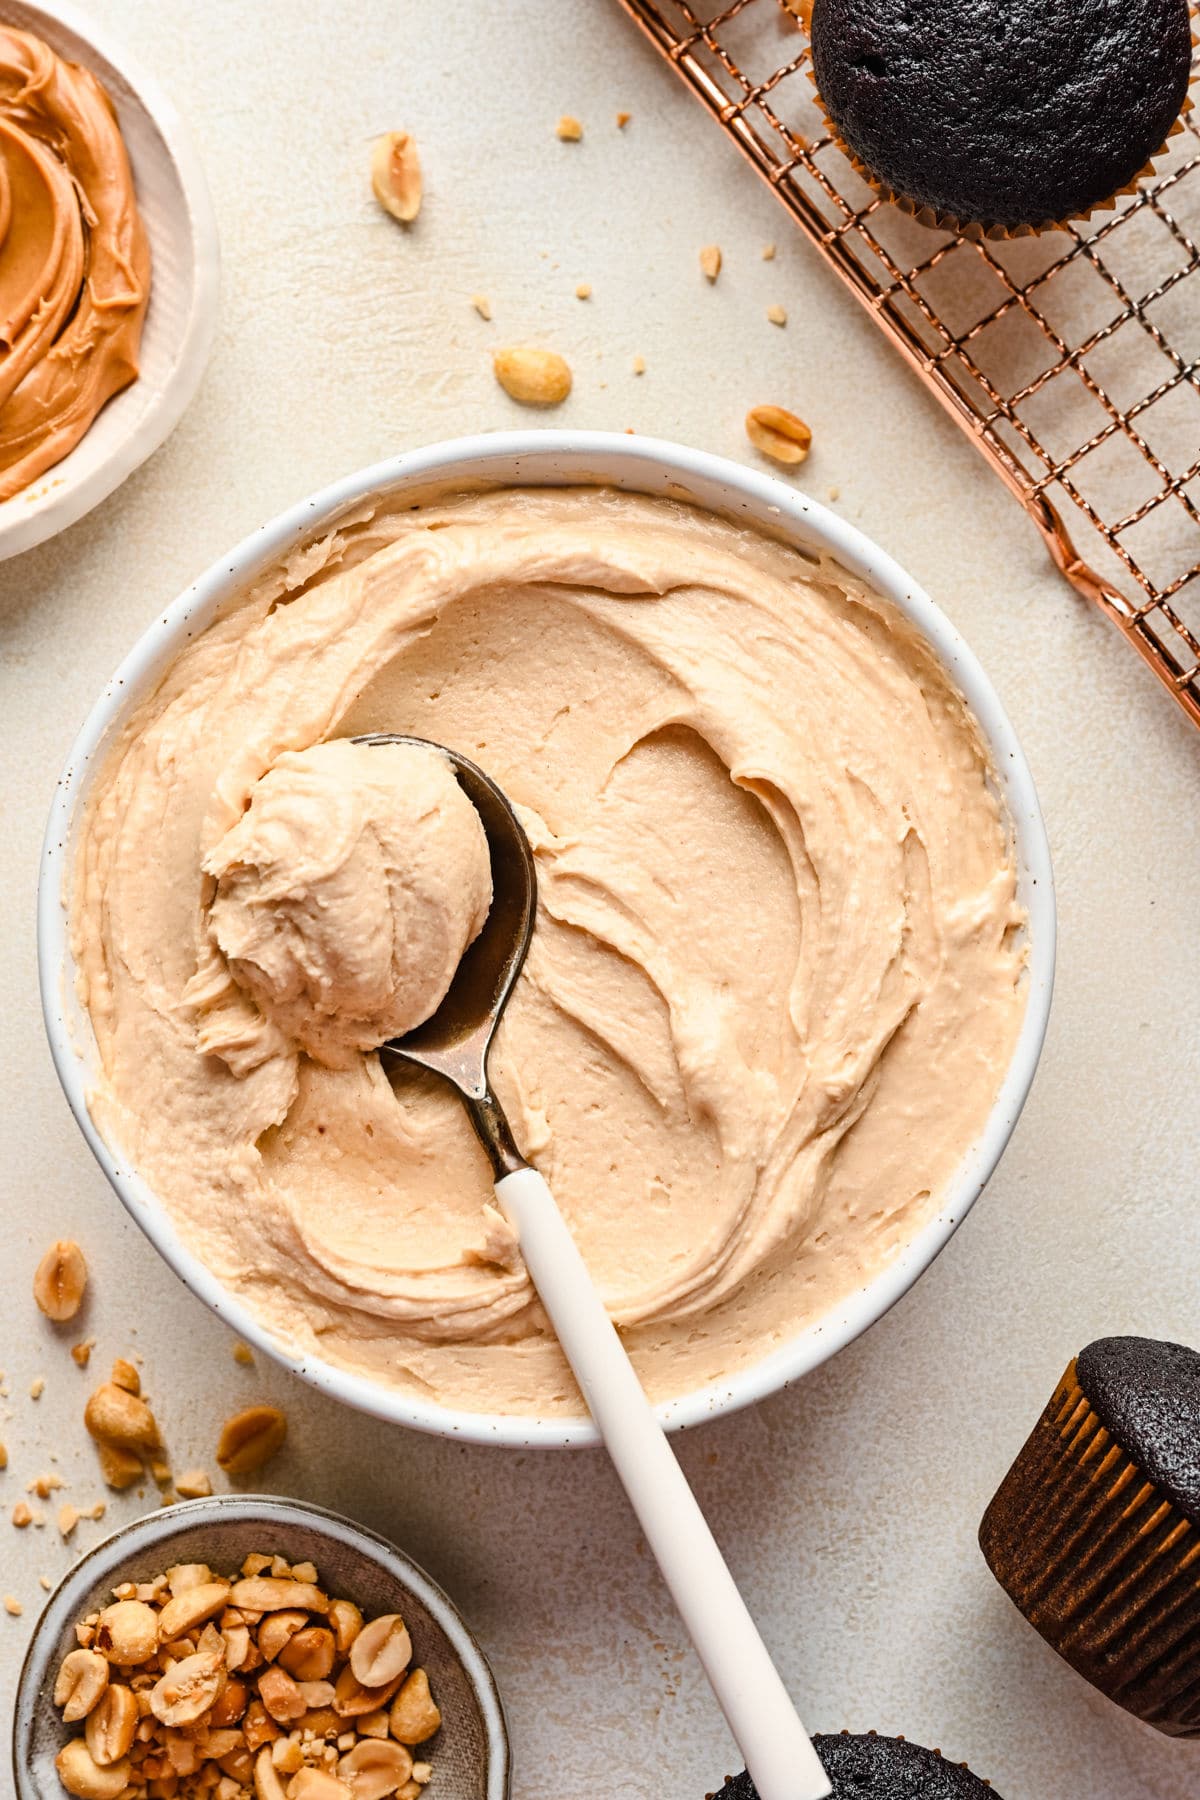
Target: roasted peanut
<point>375,1767</point>
<point>415,1715</point>
<point>116,1417</point>
<point>127,1632</point>
<point>187,1691</point>
<point>267,1782</point>
<point>193,1484</point>
<point>120,1468</point>
<point>346,1622</point>
<point>80,1683</point>
<point>270,1593</point>
<point>258,1727</point>
<point>108,1732</point>
<point>351,1699</point>
<point>533,377</point>
<point>278,1629</point>
<point>124,1375</point>
<point>315,1784</point>
<point>186,1611</point>
<point>396,175</point>
<point>250,1439</point>
<point>182,1577</point>
<point>82,1775</point>
<point>59,1280</point>
<point>381,1651</point>
<point>281,1696</point>
<point>229,1706</point>
<point>308,1655</point>
<point>778,433</point>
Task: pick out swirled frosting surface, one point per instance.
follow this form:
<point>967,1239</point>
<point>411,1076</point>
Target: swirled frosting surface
<point>774,986</point>
<point>74,261</point>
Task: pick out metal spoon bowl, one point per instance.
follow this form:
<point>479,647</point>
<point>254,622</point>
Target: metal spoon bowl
<point>456,1040</point>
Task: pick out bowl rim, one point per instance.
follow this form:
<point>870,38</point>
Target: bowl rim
<point>111,1552</point>
<point>528,458</point>
<point>59,497</point>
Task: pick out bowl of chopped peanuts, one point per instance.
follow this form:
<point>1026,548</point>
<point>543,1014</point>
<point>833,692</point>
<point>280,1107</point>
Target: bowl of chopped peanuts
<point>254,1648</point>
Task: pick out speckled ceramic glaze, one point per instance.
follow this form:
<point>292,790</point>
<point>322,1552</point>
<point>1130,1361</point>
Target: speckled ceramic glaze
<point>469,1753</point>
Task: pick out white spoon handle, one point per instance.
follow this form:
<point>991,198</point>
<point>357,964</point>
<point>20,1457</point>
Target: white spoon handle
<point>761,1716</point>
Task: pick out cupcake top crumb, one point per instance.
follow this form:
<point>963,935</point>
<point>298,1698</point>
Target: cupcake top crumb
<point>1147,1396</point>
<point>1005,113</point>
<point>870,1767</point>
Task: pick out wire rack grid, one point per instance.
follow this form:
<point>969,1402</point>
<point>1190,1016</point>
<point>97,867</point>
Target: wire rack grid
<point>1071,357</point>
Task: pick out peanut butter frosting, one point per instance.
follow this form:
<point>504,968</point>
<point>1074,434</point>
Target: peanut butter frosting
<point>775,982</point>
<point>74,261</point>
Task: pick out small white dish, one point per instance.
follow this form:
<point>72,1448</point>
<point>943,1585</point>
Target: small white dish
<point>470,1754</point>
<point>554,458</point>
<point>181,318</point>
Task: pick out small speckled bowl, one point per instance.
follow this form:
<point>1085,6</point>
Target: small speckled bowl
<point>470,1753</point>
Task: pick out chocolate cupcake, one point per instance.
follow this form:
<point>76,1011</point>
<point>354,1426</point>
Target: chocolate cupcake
<point>1002,115</point>
<point>881,1768</point>
<point>1095,1531</point>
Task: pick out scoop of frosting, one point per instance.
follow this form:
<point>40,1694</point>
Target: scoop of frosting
<point>348,891</point>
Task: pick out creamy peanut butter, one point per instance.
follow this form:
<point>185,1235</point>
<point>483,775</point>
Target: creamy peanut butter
<point>74,262</point>
<point>773,989</point>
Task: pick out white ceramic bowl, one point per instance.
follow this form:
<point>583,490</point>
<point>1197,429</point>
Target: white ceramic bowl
<point>182,315</point>
<point>470,1753</point>
<point>519,458</point>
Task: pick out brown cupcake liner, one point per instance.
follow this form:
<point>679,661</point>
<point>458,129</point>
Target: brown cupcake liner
<point>976,229</point>
<point>1102,1564</point>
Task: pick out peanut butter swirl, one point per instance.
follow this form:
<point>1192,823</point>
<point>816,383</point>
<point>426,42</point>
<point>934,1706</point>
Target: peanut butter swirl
<point>74,260</point>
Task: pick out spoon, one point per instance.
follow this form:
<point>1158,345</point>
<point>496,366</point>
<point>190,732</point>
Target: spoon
<point>454,1043</point>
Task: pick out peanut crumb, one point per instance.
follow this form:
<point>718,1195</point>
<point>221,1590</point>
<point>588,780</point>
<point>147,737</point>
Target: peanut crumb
<point>623,119</point>
<point>568,129</point>
<point>37,1387</point>
<point>710,261</point>
<point>583,290</point>
<point>45,1583</point>
<point>639,365</point>
<point>45,1485</point>
<point>835,493</point>
<point>81,1353</point>
<point>13,1606</point>
<point>3,1456</point>
<point>768,254</point>
<point>124,1375</point>
<point>777,315</point>
<point>482,305</point>
<point>193,1484</point>
<point>68,1519</point>
<point>243,1354</point>
<point>21,1515</point>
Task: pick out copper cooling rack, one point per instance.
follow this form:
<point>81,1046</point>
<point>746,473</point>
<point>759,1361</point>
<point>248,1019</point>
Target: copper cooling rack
<point>1072,358</point>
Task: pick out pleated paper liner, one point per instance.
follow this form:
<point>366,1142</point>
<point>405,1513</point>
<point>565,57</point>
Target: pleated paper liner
<point>975,229</point>
<point>1101,1563</point>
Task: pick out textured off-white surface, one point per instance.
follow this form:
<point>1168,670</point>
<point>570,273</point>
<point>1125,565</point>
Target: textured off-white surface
<point>848,1506</point>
